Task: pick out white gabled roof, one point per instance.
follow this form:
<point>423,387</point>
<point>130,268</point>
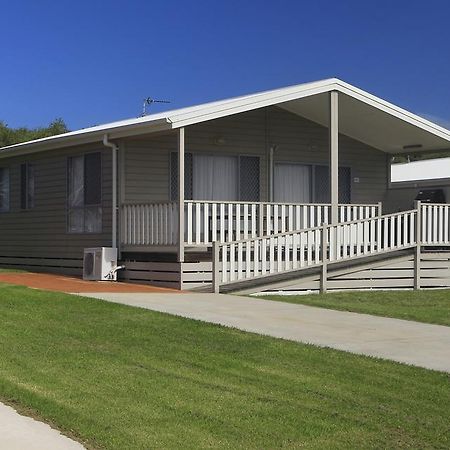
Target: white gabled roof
<point>363,116</point>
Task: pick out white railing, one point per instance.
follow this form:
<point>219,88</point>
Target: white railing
<point>208,221</point>
<point>435,224</point>
<point>269,255</point>
<point>149,224</point>
<point>386,233</point>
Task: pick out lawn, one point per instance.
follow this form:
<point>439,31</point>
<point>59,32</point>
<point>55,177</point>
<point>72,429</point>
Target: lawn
<point>11,270</point>
<point>423,306</point>
<point>119,377</point>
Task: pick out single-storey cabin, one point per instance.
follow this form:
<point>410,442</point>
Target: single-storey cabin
<point>281,190</point>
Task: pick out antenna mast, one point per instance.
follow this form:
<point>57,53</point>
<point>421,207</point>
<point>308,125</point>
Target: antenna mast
<point>149,101</point>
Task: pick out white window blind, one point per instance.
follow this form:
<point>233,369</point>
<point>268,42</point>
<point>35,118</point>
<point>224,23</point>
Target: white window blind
<point>215,177</point>
<point>292,183</point>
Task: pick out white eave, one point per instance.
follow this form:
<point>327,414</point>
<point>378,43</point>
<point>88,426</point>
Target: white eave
<point>362,116</point>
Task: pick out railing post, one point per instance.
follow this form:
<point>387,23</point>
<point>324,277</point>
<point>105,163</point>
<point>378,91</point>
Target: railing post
<point>261,219</point>
<point>215,267</point>
<point>417,255</point>
<point>380,209</point>
<point>324,258</point>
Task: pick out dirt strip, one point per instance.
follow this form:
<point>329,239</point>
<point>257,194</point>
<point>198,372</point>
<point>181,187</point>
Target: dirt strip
<point>62,283</point>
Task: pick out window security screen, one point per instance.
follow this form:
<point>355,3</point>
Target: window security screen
<point>4,189</point>
<point>322,184</point>
<point>27,186</point>
<point>84,194</point>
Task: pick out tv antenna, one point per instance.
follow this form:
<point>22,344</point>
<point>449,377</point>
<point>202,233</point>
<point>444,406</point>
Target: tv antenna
<point>148,102</point>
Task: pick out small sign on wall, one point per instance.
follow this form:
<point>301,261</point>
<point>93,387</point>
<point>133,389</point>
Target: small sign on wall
<point>356,180</point>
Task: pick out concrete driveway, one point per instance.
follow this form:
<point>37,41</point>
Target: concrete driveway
<point>24,433</point>
<point>404,341</point>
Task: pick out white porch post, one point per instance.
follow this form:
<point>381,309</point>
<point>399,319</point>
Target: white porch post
<point>114,197</point>
<point>334,155</point>
<point>181,195</point>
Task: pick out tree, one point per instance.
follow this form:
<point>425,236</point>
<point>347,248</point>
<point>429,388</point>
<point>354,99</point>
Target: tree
<point>10,136</point>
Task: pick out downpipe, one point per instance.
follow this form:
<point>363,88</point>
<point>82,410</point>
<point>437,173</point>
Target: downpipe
<point>114,149</point>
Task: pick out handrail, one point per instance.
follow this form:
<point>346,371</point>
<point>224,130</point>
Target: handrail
<point>157,202</point>
<point>251,203</point>
<point>270,255</point>
<point>239,202</point>
<point>351,222</point>
<point>434,204</point>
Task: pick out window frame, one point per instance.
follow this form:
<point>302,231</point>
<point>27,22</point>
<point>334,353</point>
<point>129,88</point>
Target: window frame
<point>84,206</point>
<point>296,163</point>
<point>313,166</point>
<point>8,171</point>
<point>173,196</point>
<point>25,204</point>
<point>350,192</point>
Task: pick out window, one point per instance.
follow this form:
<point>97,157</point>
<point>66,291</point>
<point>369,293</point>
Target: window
<point>292,183</point>
<point>322,184</point>
<point>217,177</point>
<point>249,178</point>
<point>84,194</point>
<point>174,176</point>
<point>26,186</point>
<point>4,189</point>
<point>300,183</point>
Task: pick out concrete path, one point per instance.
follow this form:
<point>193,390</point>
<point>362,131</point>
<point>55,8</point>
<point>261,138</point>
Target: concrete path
<point>24,433</point>
<point>404,341</point>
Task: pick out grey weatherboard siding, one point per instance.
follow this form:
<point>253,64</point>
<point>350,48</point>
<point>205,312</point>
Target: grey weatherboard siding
<point>41,232</point>
<point>147,160</point>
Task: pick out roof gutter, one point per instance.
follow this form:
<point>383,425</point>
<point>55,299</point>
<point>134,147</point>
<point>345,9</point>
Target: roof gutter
<point>83,137</point>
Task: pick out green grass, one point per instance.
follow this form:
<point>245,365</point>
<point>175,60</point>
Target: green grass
<point>421,306</point>
<point>125,378</point>
<point>11,270</point>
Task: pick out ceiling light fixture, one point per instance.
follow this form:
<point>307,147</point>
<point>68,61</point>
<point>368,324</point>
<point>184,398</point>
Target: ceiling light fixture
<point>412,146</point>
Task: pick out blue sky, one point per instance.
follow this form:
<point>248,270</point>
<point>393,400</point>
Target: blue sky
<point>92,62</point>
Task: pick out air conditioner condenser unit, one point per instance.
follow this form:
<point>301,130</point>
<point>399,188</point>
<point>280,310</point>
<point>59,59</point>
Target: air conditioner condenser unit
<point>99,264</point>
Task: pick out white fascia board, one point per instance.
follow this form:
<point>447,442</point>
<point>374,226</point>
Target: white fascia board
<point>242,104</point>
<point>86,136</point>
<point>392,109</point>
<point>226,103</point>
<point>248,103</point>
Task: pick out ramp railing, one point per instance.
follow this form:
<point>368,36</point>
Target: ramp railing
<point>252,259</point>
